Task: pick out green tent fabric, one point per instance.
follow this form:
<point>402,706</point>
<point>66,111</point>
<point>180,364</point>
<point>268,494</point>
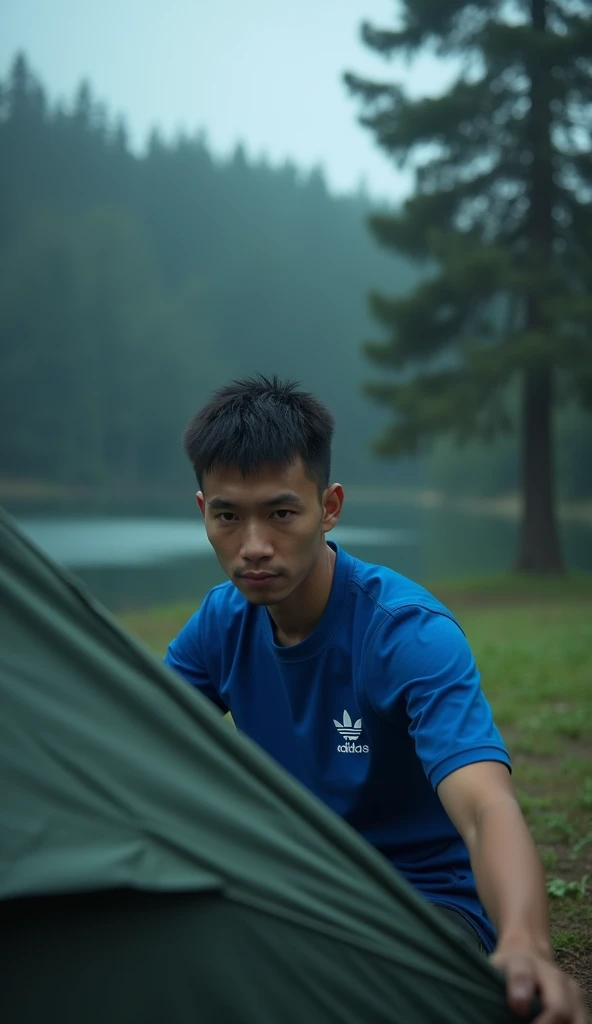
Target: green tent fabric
<point>157,866</point>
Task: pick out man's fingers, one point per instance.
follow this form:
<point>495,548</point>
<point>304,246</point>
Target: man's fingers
<point>532,982</point>
<point>563,1002</point>
<point>520,984</point>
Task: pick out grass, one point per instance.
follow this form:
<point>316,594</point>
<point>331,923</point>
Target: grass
<point>157,626</point>
<point>509,588</point>
<point>533,642</point>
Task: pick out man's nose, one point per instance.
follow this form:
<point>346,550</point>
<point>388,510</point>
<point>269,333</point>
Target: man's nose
<point>255,543</point>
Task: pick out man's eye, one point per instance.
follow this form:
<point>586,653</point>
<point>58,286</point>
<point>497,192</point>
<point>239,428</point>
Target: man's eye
<point>283,513</point>
<point>226,517</point>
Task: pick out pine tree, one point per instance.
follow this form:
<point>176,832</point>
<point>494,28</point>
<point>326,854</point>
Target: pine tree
<point>501,214</point>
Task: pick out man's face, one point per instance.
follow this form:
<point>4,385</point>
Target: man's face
<point>267,529</point>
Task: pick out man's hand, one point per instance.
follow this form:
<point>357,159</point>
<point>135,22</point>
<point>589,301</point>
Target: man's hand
<point>529,975</point>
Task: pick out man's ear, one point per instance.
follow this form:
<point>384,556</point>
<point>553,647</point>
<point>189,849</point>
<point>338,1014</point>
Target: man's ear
<point>201,503</point>
<point>332,505</point>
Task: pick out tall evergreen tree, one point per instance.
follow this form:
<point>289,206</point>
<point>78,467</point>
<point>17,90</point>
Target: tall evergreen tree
<point>502,212</point>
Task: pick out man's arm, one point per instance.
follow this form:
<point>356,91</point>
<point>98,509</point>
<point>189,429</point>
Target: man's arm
<point>425,663</point>
<point>186,655</point>
<point>480,800</point>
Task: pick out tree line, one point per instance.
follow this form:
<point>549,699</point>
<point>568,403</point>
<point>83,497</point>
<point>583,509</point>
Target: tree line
<point>132,285</point>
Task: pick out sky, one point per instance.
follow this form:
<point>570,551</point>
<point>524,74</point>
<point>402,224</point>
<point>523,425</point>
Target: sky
<point>267,73</point>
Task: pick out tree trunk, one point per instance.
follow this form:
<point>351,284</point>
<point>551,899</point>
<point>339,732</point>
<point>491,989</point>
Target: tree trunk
<point>539,548</point>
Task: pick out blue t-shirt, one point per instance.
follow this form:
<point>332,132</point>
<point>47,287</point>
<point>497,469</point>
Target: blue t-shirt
<point>370,712</point>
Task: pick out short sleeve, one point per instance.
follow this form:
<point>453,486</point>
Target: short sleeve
<point>421,665</point>
<point>186,655</point>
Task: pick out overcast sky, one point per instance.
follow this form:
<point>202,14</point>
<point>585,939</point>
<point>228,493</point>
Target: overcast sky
<point>265,72</point>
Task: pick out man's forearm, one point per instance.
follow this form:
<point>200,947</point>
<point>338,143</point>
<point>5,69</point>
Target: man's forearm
<point>510,878</point>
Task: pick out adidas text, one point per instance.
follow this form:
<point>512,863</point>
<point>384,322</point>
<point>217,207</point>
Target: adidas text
<point>353,748</point>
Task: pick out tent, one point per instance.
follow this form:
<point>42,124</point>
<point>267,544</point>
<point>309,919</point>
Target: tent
<point>156,866</point>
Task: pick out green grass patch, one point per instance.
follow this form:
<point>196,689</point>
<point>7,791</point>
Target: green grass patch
<point>580,845</point>
<point>156,627</point>
<point>560,888</point>
<point>565,940</point>
<point>585,797</point>
<point>549,858</point>
<point>507,587</point>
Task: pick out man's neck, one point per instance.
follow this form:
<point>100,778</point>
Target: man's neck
<point>297,617</point>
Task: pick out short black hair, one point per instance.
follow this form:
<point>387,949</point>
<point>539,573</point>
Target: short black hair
<point>260,421</point>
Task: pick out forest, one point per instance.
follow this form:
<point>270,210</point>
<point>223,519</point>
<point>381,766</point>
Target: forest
<point>131,285</point>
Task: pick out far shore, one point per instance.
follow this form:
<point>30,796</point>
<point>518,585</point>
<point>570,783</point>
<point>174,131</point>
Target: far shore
<point>34,494</point>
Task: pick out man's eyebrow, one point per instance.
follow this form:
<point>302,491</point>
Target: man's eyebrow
<point>285,498</point>
<point>221,503</point>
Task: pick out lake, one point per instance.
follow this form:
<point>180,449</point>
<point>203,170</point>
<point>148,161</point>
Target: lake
<point>134,562</point>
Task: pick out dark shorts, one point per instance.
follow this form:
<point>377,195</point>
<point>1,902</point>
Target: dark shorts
<point>465,926</point>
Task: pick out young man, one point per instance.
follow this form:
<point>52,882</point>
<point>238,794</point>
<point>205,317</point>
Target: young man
<point>359,682</point>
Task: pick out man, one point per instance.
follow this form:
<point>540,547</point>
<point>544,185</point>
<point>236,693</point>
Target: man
<point>359,682</point>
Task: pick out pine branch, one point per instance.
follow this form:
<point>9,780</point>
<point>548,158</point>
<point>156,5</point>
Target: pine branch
<point>370,92</point>
<point>451,23</point>
<point>448,401</point>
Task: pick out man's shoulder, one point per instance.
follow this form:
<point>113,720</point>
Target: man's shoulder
<point>218,620</point>
<point>390,594</point>
<point>224,601</point>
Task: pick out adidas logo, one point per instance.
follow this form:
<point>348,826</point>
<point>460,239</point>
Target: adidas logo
<point>346,729</point>
<point>350,731</point>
